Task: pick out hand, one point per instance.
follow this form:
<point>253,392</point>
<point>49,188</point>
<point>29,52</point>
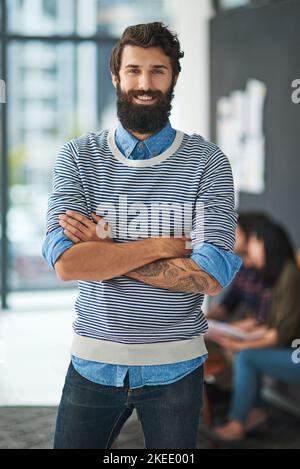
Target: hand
<point>229,343</point>
<point>246,325</point>
<point>175,247</point>
<point>79,229</point>
<point>216,312</point>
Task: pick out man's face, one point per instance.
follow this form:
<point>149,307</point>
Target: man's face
<point>145,89</point>
<point>240,241</point>
<point>240,247</point>
<point>256,252</point>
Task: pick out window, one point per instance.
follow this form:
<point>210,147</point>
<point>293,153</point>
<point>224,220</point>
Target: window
<point>50,8</point>
<point>59,87</point>
<point>41,17</point>
<point>84,17</point>
<point>229,4</point>
<point>45,110</point>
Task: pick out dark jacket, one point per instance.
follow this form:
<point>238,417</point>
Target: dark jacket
<point>284,312</point>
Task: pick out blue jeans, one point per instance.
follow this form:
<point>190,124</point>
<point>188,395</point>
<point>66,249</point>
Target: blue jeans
<point>250,366</point>
<point>92,415</point>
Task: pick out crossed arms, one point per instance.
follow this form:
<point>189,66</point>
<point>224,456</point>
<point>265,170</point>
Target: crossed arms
<point>161,262</point>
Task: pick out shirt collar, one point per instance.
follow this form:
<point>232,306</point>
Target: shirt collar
<point>155,144</point>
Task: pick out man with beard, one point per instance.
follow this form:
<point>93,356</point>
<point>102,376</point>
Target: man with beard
<point>138,337</point>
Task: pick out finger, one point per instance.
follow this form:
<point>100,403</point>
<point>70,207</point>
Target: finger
<point>102,224</point>
<point>222,341</point>
<point>68,222</point>
<point>79,217</point>
<point>74,230</point>
<point>227,344</point>
<point>96,217</point>
<point>72,237</point>
<point>103,229</point>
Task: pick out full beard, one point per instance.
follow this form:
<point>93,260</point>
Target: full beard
<point>144,119</point>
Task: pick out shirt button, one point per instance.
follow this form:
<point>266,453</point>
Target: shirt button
<point>141,145</point>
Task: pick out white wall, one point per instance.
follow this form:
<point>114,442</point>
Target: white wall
<point>191,104</point>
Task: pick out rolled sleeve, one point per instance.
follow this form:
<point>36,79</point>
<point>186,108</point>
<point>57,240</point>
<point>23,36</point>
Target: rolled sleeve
<point>54,245</point>
<point>220,264</point>
<point>67,194</point>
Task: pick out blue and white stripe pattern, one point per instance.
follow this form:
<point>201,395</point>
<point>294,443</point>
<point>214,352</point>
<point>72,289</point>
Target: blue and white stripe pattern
<point>91,171</point>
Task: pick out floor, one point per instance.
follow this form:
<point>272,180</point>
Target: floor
<point>33,427</point>
<point>35,339</point>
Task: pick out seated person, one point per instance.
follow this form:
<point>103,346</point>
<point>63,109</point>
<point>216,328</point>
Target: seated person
<point>270,251</point>
<point>247,295</point>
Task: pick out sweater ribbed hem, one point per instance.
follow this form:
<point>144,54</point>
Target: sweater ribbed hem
<point>158,353</point>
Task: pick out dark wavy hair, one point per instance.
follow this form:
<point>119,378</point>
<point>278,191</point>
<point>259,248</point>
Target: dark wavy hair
<point>148,35</point>
<point>247,221</point>
<point>278,249</point>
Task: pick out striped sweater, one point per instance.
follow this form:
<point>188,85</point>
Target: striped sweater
<point>122,320</point>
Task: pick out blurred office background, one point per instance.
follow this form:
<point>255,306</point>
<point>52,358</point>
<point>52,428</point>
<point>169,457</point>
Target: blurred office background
<point>54,61</point>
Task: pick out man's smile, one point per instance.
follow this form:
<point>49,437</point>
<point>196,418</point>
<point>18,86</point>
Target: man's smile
<point>143,99</point>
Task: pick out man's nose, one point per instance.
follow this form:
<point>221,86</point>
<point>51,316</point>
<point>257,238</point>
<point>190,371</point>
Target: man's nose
<point>145,81</point>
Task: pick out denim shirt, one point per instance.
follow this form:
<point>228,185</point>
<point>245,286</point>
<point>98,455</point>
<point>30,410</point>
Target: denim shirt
<point>220,264</point>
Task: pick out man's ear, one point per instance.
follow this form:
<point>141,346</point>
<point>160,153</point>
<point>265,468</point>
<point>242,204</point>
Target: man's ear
<point>175,79</point>
<point>114,79</point>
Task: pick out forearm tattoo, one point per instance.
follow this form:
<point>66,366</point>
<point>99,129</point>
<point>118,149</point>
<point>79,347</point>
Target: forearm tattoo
<point>179,275</point>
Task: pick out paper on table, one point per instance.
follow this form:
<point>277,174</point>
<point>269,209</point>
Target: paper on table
<point>225,328</point>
